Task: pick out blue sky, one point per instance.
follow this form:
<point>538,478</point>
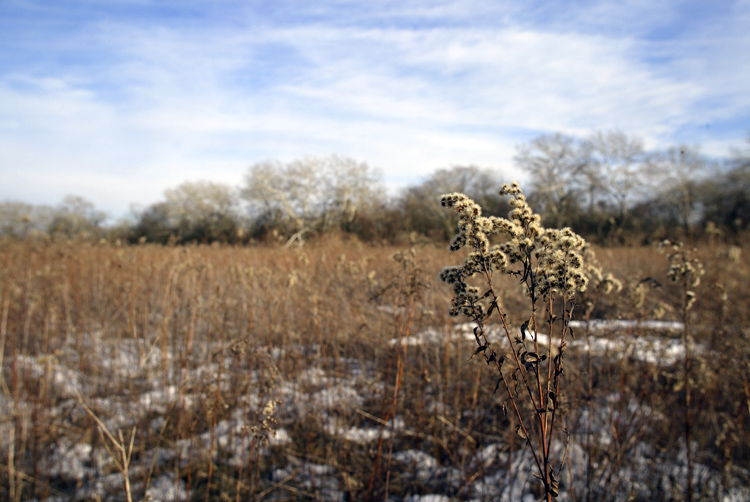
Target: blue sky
<point>118,100</point>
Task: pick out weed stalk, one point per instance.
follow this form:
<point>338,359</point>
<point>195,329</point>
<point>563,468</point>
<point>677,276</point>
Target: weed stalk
<point>548,264</point>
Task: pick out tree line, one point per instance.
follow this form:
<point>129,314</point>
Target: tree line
<point>608,187</point>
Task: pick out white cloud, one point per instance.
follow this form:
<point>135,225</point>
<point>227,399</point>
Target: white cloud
<point>130,108</point>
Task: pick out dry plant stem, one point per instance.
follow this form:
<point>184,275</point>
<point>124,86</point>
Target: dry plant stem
<point>153,458</point>
<point>589,397</point>
<point>11,464</point>
<point>6,391</point>
<point>686,271</point>
<point>470,425</point>
<point>404,332</point>
<point>402,327</point>
<point>543,398</point>
<point>542,466</point>
<point>42,484</point>
<point>121,455</point>
<point>548,264</point>
<point>217,400</point>
<point>686,341</point>
<point>557,369</point>
<point>3,335</point>
<point>244,437</point>
<point>495,304</point>
<point>507,387</point>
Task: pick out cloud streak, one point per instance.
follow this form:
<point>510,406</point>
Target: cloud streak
<point>119,103</point>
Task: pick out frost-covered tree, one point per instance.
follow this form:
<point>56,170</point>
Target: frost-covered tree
<point>76,216</point>
<point>310,194</point>
<point>197,211</point>
<point>21,219</point>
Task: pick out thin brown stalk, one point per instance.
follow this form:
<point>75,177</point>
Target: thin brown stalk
<point>688,404</point>
<point>121,454</point>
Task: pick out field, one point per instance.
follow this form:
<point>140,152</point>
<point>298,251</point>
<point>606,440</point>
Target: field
<point>333,372</point>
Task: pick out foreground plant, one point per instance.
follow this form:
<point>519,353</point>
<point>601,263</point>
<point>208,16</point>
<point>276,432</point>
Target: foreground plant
<point>548,263</point>
<point>685,270</point>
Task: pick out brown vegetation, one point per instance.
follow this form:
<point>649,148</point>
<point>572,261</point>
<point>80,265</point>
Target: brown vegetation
<point>333,372</point>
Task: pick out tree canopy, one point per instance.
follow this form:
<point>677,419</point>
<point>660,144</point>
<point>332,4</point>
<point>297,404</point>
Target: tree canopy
<point>606,186</point>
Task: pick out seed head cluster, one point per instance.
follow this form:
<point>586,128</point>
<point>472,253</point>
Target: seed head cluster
<point>560,264</point>
<point>548,263</point>
<point>598,280</point>
<point>550,260</point>
<point>683,269</point>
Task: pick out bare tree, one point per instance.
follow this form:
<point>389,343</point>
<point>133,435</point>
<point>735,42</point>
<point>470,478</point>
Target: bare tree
<point>740,157</point>
<point>288,192</point>
<point>556,165</point>
<point>152,224</point>
<point>21,219</point>
<point>676,175</point>
<point>195,211</point>
<point>617,168</point>
<point>76,216</point>
<point>348,186</point>
<point>310,194</point>
<point>194,201</point>
<point>202,210</point>
<point>726,197</point>
<point>616,175</point>
<point>417,203</point>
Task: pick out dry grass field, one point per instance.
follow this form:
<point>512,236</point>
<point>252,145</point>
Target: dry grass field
<point>333,372</point>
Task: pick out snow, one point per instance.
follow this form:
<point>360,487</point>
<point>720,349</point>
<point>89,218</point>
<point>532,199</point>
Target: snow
<point>166,489</point>
<point>627,325</point>
<point>428,498</point>
<point>620,339</point>
<point>127,383</point>
<point>362,435</point>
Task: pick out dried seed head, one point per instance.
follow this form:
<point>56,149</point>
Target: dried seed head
<point>689,299</point>
<point>553,261</point>
<point>683,268</point>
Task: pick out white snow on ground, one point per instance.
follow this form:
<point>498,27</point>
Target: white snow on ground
<point>362,435</point>
<point>428,498</point>
<point>158,400</point>
<point>332,399</point>
<point>648,349</point>
<point>627,325</point>
<point>69,461</point>
<point>280,438</point>
<point>416,457</point>
<point>314,477</point>
<point>434,336</point>
<point>166,489</point>
<point>62,380</point>
<point>617,338</point>
<point>340,397</point>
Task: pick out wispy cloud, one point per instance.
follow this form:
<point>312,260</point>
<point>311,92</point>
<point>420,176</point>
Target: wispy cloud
<point>121,100</point>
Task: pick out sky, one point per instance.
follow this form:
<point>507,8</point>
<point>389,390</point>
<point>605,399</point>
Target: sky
<point>118,100</point>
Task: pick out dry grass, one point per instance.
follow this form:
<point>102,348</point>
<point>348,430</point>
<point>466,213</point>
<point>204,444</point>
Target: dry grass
<point>188,347</point>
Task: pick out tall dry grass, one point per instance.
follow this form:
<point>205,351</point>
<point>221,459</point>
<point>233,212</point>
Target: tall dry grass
<point>295,374</point>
